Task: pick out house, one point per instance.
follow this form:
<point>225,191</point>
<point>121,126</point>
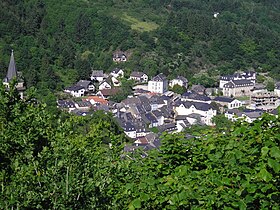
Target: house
<point>179,80</point>
<point>237,88</point>
<point>204,109</point>
<point>200,89</point>
<point>97,75</point>
<point>247,115</point>
<point>12,73</point>
<point>75,91</point>
<point>66,105</point>
<point>129,129</point>
<point>169,128</point>
<point>106,84</point>
<point>117,72</point>
<point>83,105</point>
<point>247,75</point>
<point>106,93</point>
<point>88,85</point>
<point>119,56</point>
<point>96,100</point>
<point>158,84</point>
<point>193,96</point>
<point>159,116</point>
<point>230,103</point>
<point>139,76</point>
<point>150,120</point>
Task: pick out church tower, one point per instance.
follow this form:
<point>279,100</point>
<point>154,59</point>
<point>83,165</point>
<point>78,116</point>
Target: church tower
<point>13,74</point>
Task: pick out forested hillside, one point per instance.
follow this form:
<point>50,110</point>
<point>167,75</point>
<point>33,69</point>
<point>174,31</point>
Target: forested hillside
<point>70,162</point>
<point>58,42</point>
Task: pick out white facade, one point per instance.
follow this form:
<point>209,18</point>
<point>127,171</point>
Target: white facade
<point>104,85</point>
<point>207,115</point>
<point>131,134</point>
<point>178,81</point>
<point>76,92</point>
<point>159,84</point>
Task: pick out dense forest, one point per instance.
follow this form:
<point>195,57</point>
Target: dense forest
<point>56,43</point>
<point>71,162</point>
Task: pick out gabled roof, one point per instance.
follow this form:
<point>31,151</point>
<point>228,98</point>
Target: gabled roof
<point>159,78</point>
<point>110,92</point>
<point>116,70</point>
<point>157,113</point>
<point>195,96</point>
<point>239,83</point>
<point>75,88</point>
<point>183,79</point>
<point>83,83</point>
<point>12,72</point>
<point>151,118</point>
<point>224,99</point>
<point>198,88</point>
<point>97,73</point>
<point>137,74</point>
<point>65,104</point>
<point>128,127</point>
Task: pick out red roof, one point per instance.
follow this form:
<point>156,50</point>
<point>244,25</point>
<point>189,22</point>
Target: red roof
<point>96,99</point>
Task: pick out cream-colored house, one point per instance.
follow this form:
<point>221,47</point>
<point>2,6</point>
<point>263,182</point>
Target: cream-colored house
<point>237,88</point>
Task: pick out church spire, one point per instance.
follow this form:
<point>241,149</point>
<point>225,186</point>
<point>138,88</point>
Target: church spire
<point>12,72</point>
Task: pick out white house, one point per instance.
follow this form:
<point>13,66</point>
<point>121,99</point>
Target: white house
<point>119,56</point>
<point>97,75</point>
<point>105,85</point>
<point>158,84</point>
<point>181,81</point>
<point>117,72</point>
<point>129,130</point>
<point>89,87</point>
<point>230,103</point>
<point>76,91</point>
<point>203,109</point>
<point>139,76</point>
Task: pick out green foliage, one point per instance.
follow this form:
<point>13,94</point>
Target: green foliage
<point>270,85</point>
<point>179,89</point>
<point>221,121</point>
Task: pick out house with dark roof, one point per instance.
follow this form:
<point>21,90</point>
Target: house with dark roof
<point>168,127</point>
<point>106,93</point>
<point>189,107</point>
<point>230,103</point>
<point>237,88</point>
<point>150,120</point>
<point>277,89</point>
<point>119,56</point>
<point>158,84</point>
<point>193,96</point>
<point>139,76</point>
<point>88,85</point>
<point>97,75</point>
<point>117,73</point>
<point>247,75</point>
<point>129,129</point>
<point>68,105</point>
<point>75,91</point>
<point>12,74</point>
<point>179,80</point>
<point>200,89</point>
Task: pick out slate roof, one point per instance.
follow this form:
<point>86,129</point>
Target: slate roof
<point>195,96</point>
<point>128,127</point>
<point>239,83</point>
<point>157,113</point>
<point>116,70</point>
<point>198,88</point>
<point>12,72</point>
<point>137,74</point>
<point>83,83</point>
<point>151,118</point>
<point>159,78</point>
<point>75,88</point>
<point>168,127</point>
<point>97,73</point>
<point>65,104</point>
<point>224,99</point>
<point>198,105</point>
<point>83,103</point>
<point>109,92</point>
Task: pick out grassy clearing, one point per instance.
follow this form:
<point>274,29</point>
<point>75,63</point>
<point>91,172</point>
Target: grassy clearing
<point>139,25</point>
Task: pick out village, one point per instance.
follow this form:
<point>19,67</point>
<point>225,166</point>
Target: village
<point>153,108</point>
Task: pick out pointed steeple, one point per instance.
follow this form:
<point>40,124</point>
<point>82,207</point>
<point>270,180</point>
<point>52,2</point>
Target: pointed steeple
<point>12,72</point>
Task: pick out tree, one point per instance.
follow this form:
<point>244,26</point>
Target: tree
<point>179,89</point>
